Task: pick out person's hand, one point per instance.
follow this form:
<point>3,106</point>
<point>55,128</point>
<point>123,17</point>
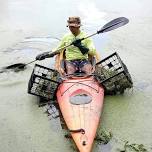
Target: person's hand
<point>42,56</point>
<point>82,48</point>
<point>77,42</point>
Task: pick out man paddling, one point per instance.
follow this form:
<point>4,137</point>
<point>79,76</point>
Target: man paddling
<point>77,54</point>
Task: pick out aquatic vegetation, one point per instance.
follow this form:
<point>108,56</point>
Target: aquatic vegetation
<point>103,137</point>
<point>133,148</point>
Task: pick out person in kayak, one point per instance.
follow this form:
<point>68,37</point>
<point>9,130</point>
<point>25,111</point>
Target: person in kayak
<point>76,56</point>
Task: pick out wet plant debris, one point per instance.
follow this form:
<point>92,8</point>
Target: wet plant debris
<point>103,137</point>
<point>133,148</point>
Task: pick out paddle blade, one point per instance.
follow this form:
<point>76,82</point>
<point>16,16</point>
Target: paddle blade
<point>14,67</point>
<point>114,24</point>
<point>17,65</point>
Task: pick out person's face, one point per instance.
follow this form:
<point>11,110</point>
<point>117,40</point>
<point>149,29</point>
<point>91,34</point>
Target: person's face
<point>74,30</point>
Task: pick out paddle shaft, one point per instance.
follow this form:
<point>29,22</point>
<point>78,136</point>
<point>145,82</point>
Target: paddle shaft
<point>30,62</point>
<point>22,66</point>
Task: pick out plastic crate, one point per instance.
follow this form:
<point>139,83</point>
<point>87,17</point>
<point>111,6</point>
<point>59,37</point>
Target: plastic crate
<point>43,82</point>
<point>113,74</point>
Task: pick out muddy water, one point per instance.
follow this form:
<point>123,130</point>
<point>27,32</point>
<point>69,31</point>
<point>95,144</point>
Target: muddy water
<point>30,27</point>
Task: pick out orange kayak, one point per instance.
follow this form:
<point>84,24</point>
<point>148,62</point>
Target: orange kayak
<point>80,100</point>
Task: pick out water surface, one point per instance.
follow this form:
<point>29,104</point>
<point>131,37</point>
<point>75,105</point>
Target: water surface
<point>30,27</point>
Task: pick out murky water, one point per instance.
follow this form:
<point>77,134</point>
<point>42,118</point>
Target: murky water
<point>30,27</point>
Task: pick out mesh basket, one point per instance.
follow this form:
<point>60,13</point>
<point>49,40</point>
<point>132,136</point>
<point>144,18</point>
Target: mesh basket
<point>113,74</point>
<point>43,82</point>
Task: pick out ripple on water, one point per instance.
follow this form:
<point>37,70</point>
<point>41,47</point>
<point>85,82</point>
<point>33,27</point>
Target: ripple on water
<point>27,50</point>
<point>30,44</point>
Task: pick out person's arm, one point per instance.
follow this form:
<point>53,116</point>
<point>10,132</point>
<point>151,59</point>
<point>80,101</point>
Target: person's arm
<point>49,54</point>
<point>60,45</point>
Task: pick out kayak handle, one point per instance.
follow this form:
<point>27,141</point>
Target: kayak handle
<point>78,130</point>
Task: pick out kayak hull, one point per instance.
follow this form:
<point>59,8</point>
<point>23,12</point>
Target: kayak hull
<point>80,101</point>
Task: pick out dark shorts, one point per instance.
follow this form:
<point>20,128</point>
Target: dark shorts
<point>75,66</point>
<point>78,64</point>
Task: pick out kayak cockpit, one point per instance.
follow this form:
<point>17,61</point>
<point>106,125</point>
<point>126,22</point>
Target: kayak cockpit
<point>80,98</point>
<point>111,73</point>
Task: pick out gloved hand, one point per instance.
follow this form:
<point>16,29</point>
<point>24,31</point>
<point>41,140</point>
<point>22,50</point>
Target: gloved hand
<point>44,55</point>
<point>82,48</point>
<point>77,42</point>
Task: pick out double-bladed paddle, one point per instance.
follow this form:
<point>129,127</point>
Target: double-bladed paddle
<point>114,24</point>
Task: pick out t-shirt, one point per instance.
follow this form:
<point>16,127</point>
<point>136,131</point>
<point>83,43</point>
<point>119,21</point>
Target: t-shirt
<point>72,52</point>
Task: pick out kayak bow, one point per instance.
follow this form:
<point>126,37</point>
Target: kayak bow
<point>80,100</point>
